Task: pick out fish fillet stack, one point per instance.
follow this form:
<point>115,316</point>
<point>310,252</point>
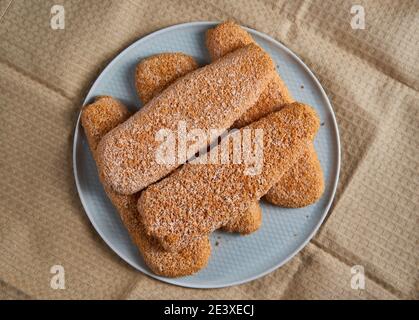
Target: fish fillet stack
<point>170,208</point>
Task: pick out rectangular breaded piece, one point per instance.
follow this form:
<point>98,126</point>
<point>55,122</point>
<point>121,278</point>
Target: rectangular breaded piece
<point>156,73</point>
<point>97,119</point>
<point>304,184</point>
<point>249,222</point>
<point>229,36</point>
<point>211,97</point>
<point>199,198</point>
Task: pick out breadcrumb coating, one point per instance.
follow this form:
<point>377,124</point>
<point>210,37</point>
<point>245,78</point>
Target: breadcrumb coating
<point>225,38</point>
<point>302,185</point>
<point>97,119</point>
<point>178,65</point>
<point>199,198</point>
<point>273,98</point>
<point>156,73</point>
<point>229,36</point>
<point>211,97</point>
<point>248,222</point>
<point>305,181</point>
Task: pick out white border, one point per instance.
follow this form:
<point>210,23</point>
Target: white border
<point>175,281</point>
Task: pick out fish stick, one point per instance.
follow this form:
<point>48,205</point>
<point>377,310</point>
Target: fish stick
<point>249,222</point>
<point>97,119</point>
<point>228,37</point>
<point>153,75</point>
<point>304,184</point>
<point>225,38</point>
<point>201,197</point>
<point>156,73</point>
<point>213,96</point>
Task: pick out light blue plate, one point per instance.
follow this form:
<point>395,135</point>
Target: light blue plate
<point>235,259</point>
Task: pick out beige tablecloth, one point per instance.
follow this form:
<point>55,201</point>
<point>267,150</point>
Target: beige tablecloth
<point>371,75</point>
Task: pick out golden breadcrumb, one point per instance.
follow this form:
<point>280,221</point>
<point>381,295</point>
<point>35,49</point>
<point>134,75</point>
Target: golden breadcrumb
<point>200,198</point>
<point>302,185</point>
<point>157,72</point>
<point>273,98</point>
<point>225,38</point>
<point>248,222</point>
<point>97,119</point>
<point>179,65</point>
<point>211,97</point>
<point>229,36</point>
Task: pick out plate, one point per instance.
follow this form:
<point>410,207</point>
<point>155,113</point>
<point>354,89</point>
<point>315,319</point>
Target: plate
<point>235,259</point>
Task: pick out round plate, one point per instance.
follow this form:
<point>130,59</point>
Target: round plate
<point>235,259</point>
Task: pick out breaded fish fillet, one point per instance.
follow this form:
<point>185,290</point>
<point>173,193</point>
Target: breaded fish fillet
<point>153,75</point>
<point>156,73</point>
<point>97,119</point>
<point>225,38</point>
<point>200,198</point>
<point>211,97</point>
<point>304,184</point>
<point>228,37</point>
<point>249,222</point>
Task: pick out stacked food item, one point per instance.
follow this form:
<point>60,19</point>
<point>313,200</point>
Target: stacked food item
<point>171,202</point>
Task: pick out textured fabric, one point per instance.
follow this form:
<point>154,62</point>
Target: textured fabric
<point>371,77</point>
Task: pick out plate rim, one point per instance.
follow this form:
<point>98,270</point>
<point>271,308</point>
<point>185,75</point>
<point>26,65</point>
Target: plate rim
<point>175,281</point>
